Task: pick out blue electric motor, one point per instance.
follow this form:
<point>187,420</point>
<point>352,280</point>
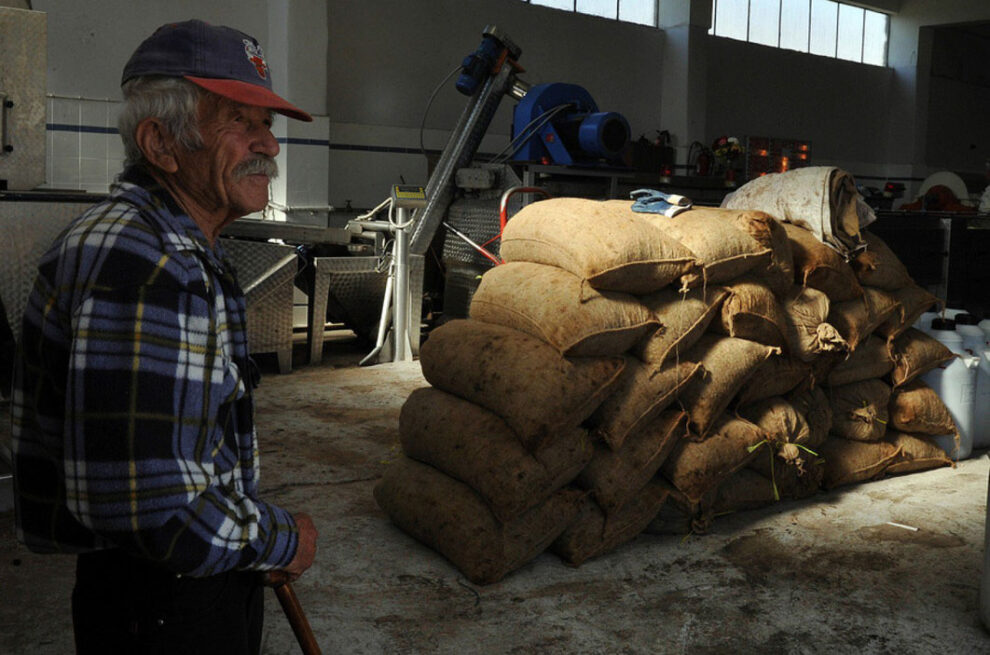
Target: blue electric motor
<point>560,123</point>
<point>478,65</point>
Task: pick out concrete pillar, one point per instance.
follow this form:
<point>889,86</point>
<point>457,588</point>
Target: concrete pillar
<point>909,56</point>
<point>296,53</point>
<point>685,72</point>
<point>277,55</point>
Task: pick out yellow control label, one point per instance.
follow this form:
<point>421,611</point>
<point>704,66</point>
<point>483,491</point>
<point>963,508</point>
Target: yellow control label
<point>411,194</point>
<point>408,196</point>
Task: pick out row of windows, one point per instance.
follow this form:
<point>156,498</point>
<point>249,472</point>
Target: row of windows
<point>643,12</point>
<point>820,27</point>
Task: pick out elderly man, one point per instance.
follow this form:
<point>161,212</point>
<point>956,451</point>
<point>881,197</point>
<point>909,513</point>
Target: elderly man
<point>134,442</point>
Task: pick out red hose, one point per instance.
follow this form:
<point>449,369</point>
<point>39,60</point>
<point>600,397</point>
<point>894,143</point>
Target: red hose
<point>504,204</point>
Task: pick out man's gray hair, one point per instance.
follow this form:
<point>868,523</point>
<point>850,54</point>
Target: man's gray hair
<point>172,100</point>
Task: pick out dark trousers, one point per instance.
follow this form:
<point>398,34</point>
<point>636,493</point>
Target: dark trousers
<point>122,604</point>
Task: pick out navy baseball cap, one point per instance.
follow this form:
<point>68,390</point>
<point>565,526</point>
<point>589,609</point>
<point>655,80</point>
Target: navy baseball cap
<point>219,59</point>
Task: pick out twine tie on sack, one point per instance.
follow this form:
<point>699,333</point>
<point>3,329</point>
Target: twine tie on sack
<point>773,469</point>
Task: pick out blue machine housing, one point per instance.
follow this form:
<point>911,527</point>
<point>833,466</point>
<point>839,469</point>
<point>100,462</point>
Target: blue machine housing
<point>560,123</point>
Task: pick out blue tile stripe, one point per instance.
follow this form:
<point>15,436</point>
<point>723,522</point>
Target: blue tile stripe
<point>296,141</point>
<point>390,149</point>
<point>351,147</point>
<point>89,129</point>
<point>93,129</point>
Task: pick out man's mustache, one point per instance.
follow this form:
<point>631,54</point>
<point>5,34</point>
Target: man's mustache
<point>260,165</point>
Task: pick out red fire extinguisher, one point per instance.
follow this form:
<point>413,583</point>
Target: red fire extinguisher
<point>703,163</point>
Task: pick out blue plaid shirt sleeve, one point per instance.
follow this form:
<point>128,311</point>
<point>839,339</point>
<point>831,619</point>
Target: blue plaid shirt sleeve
<point>155,423</point>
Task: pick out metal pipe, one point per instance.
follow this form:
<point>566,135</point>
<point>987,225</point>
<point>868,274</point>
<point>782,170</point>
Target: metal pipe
<point>400,301</point>
<point>519,89</point>
<point>384,318</point>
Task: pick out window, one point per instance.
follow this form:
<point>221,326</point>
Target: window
<point>820,27</point>
<point>764,27</point>
<point>824,16</point>
<point>643,12</point>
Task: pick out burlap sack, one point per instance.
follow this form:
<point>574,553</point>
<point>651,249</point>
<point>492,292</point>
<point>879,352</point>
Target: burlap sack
<point>447,516</point>
<point>822,199</point>
<point>807,330</point>
<point>605,243</point>
<point>870,360</point>
<point>775,376</point>
<point>683,316</point>
<point>751,312</point>
<point>920,453</point>
<point>914,354</point>
<point>723,250</point>
<point>593,533</point>
<point>678,515</point>
<point>469,443</point>
<point>785,458</point>
<point>821,366</point>
<point>859,410</point>
<point>642,393</point>
<point>878,266</point>
<point>848,462</point>
<point>728,364</point>
<point>916,408</point>
<point>698,467</point>
<point>816,409</point>
<point>914,302</point>
<point>794,472</point>
<point>857,319</point>
<point>778,274</point>
<point>779,420</point>
<point>558,307</point>
<point>820,267</point>
<point>520,378</point>
<point>745,489</point>
<point>615,476</point>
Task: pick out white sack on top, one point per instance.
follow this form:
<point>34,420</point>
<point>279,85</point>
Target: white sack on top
<point>822,199</point>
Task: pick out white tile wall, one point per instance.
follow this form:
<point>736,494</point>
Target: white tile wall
<point>80,144</point>
<point>308,163</point>
<point>84,152</point>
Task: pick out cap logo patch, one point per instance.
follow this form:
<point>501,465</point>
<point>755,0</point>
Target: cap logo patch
<point>257,57</point>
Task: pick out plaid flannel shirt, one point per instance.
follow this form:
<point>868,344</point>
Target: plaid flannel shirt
<point>133,420</point>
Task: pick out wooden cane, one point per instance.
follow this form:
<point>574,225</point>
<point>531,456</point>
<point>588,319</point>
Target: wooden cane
<point>297,619</point>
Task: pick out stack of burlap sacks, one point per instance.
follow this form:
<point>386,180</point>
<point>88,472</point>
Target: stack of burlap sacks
<point>626,372</point>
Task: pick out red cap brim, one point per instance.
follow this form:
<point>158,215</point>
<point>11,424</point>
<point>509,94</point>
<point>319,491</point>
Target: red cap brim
<point>250,94</point>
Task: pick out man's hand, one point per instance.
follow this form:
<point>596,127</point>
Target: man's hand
<point>305,553</point>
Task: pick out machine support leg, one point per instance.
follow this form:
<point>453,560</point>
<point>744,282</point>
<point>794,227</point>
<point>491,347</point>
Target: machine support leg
<point>400,290</point>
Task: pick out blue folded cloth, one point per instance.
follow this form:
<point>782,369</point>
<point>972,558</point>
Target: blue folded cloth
<point>651,201</point>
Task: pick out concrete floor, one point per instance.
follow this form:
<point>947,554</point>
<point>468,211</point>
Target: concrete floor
<point>826,575</point>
